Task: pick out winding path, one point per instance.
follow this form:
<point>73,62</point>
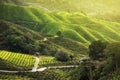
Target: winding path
<point>34,69</point>
<point>42,69</point>
<point>36,64</point>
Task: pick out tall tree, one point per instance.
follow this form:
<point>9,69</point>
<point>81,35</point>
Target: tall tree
<point>113,53</point>
<point>96,49</point>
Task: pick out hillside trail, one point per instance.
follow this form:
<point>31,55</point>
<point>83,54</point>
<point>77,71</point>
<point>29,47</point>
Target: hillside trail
<point>36,64</point>
<point>34,69</point>
<point>42,69</point>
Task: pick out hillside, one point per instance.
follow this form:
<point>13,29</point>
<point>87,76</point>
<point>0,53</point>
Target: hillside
<point>20,39</point>
<point>72,6</point>
<point>16,38</point>
<point>17,2</point>
<point>75,26</point>
<point>103,9</point>
<point>19,61</point>
<point>15,61</point>
<point>59,40</point>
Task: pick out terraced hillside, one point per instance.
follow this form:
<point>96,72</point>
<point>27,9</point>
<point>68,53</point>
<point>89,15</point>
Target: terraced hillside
<point>75,26</point>
<point>17,38</point>
<point>103,9</point>
<point>18,61</point>
<point>59,33</point>
<point>15,61</point>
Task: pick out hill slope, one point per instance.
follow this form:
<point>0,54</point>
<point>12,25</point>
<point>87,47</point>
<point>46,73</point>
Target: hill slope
<point>72,6</point>
<point>17,38</point>
<point>17,2</point>
<point>20,39</point>
<point>75,26</point>
<point>103,9</point>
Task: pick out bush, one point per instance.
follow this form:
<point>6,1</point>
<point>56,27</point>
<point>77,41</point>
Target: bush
<point>96,50</point>
<point>46,75</point>
<point>48,49</point>
<point>62,56</point>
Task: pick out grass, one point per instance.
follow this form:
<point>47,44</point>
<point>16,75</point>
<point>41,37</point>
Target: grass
<point>98,9</point>
<point>77,30</point>
<point>74,46</point>
<point>75,26</point>
<point>47,61</point>
<point>27,36</point>
<point>14,61</point>
<point>19,61</point>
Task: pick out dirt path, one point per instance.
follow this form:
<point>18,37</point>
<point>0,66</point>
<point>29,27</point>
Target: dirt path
<point>36,64</point>
<point>42,69</point>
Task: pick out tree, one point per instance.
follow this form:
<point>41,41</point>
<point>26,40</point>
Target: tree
<point>14,42</point>
<point>113,54</point>
<point>62,56</point>
<point>96,49</point>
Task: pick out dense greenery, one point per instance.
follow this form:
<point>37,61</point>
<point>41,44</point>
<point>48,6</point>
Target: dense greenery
<point>113,52</point>
<point>96,50</point>
<point>62,56</point>
<point>61,34</point>
<point>105,69</point>
<point>16,38</point>
<point>75,47</point>
<point>115,75</point>
<point>75,26</point>
<point>103,9</point>
<point>15,61</point>
<point>6,76</point>
<point>19,61</point>
<point>48,75</point>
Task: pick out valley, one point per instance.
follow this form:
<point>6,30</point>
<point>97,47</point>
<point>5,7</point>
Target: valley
<point>59,40</point>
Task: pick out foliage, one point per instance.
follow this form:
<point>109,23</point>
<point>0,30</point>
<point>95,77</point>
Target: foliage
<point>113,54</point>
<point>9,76</point>
<point>74,46</point>
<point>115,75</point>
<point>96,50</point>
<point>62,56</point>
<point>51,75</point>
<point>20,61</point>
<point>80,73</point>
<point>48,48</point>
<point>14,38</point>
<point>18,39</point>
<point>75,26</point>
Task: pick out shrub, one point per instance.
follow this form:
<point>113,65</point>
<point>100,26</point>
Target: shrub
<point>62,56</point>
<point>96,50</point>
